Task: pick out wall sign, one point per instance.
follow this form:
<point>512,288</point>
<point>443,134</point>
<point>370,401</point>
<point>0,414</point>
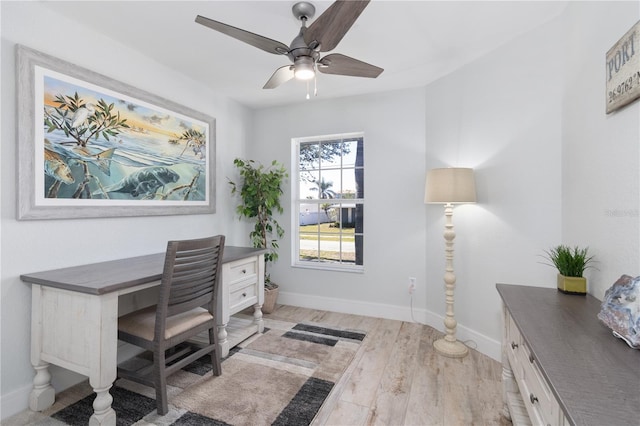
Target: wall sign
<point>623,70</point>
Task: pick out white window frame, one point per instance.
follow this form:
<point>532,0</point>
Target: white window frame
<point>296,202</point>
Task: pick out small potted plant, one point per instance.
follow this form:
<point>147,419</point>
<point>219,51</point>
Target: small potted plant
<point>571,264</point>
<point>260,190</point>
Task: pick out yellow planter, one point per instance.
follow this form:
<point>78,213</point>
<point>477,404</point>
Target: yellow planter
<point>572,285</point>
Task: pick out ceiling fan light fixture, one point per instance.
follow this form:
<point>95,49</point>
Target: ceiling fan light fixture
<point>304,69</point>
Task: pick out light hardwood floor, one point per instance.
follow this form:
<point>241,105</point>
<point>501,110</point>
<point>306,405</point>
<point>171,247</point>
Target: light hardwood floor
<point>398,379</point>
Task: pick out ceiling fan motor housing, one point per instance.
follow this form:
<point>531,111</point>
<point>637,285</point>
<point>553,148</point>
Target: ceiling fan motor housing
<point>303,56</point>
<point>303,10</point>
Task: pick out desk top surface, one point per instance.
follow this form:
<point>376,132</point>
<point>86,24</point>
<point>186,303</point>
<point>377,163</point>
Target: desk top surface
<point>114,275</point>
<point>594,375</point>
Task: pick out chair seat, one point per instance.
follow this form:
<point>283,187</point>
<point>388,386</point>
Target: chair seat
<point>142,323</point>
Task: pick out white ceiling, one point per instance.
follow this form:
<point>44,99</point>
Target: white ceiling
<point>415,42</point>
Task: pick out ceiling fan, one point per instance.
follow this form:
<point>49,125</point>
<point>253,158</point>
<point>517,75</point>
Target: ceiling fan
<point>322,35</point>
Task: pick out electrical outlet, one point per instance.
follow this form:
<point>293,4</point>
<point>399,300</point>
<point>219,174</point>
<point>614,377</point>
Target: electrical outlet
<point>412,285</point>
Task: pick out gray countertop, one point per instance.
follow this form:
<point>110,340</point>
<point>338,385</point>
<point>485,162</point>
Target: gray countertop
<point>594,375</point>
<point>115,275</point>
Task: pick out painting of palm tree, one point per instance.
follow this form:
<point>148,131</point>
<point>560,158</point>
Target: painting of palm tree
<point>102,148</point>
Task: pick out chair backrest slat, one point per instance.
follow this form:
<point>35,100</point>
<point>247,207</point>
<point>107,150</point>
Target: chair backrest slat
<point>190,278</point>
<point>188,305</point>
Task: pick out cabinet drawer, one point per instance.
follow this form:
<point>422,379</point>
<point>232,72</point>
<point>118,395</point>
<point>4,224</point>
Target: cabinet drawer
<point>538,393</point>
<point>537,398</point>
<point>241,270</point>
<point>243,295</point>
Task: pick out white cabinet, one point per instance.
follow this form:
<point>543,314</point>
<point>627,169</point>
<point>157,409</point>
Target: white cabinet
<point>560,365</point>
<point>241,286</point>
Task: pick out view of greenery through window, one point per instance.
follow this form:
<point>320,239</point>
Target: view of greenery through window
<point>330,201</point>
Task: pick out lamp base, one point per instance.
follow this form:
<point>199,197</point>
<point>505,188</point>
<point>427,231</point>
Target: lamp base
<point>455,349</point>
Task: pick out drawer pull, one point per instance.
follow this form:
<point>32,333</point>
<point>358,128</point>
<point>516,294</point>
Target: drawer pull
<point>514,345</point>
<point>531,358</point>
<point>533,398</point>
<point>244,294</point>
<point>244,271</point>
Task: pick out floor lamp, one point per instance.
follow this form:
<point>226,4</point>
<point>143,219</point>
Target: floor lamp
<point>450,186</point>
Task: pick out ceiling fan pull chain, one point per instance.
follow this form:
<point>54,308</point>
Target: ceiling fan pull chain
<point>307,89</point>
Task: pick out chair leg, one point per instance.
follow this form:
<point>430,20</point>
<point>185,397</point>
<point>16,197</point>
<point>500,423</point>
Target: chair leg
<point>161,383</point>
<point>216,365</point>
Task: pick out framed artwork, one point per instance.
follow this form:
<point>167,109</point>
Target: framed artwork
<point>90,146</point>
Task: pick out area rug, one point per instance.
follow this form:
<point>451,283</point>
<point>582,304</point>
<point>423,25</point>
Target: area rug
<point>280,377</point>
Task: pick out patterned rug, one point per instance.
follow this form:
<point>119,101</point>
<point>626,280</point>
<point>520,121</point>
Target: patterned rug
<point>281,377</point>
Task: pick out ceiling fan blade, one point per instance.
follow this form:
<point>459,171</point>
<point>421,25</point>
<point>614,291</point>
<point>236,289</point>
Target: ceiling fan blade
<point>282,75</point>
<point>344,65</point>
<point>264,43</point>
<point>334,23</point>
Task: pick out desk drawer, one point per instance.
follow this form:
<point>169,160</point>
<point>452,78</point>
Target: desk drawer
<point>243,294</point>
<point>241,270</point>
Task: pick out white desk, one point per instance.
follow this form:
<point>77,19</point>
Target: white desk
<point>74,318</point>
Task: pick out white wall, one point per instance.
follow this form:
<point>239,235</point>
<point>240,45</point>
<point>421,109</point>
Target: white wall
<point>601,153</point>
<point>393,126</point>
<point>31,246</point>
<point>500,115</point>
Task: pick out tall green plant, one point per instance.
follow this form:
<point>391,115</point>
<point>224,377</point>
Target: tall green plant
<point>570,262</point>
<point>260,190</point>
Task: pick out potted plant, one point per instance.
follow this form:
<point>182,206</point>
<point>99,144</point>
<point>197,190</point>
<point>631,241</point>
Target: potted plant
<point>571,264</point>
<point>260,190</point>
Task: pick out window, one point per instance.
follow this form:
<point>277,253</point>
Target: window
<point>328,199</point>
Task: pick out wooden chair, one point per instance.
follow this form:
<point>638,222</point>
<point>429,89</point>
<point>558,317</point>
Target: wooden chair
<point>192,270</point>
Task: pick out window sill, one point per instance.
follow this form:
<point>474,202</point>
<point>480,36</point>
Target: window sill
<point>329,267</point>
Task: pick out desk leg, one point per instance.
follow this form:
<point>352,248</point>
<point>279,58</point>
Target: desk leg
<point>257,317</point>
<point>103,414</point>
<point>223,342</point>
<point>103,357</point>
<point>508,383</point>
<point>43,395</point>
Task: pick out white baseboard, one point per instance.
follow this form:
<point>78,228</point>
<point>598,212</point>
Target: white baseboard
<point>15,401</point>
<point>478,341</point>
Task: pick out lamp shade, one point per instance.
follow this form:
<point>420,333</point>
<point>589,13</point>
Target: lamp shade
<point>450,185</point>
